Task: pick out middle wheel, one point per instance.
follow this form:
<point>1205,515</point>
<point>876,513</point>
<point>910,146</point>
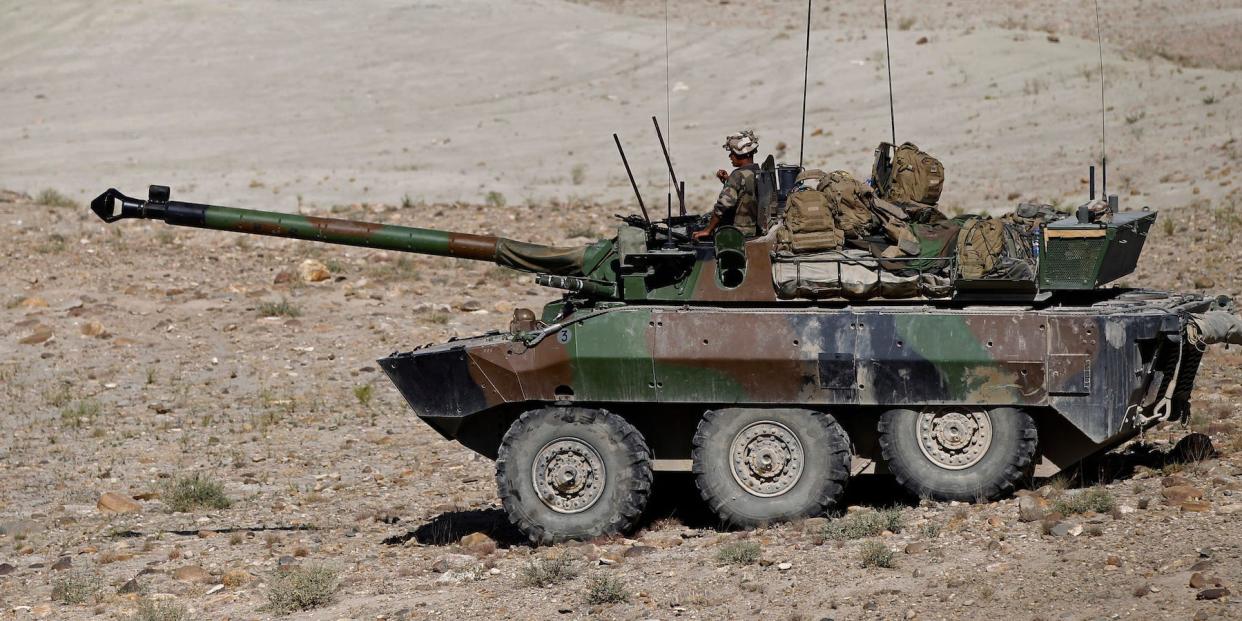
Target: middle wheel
<point>756,466</point>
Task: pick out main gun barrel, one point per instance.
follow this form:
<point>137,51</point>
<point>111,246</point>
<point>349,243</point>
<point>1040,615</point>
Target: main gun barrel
<point>112,205</point>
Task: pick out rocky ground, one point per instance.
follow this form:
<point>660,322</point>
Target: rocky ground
<point>137,354</point>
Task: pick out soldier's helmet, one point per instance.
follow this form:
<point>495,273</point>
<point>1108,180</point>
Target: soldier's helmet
<point>742,143</point>
<point>810,179</point>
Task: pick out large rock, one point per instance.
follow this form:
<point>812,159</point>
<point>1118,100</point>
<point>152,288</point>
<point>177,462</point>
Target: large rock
<point>1031,508</point>
<point>1181,493</point>
<point>479,544</point>
<point>313,271</point>
<point>192,573</point>
<point>112,502</point>
<point>452,562</point>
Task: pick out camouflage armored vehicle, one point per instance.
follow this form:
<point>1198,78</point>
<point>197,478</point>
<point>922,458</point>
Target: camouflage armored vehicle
<point>776,376</point>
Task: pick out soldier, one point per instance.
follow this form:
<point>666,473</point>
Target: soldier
<point>737,205</point>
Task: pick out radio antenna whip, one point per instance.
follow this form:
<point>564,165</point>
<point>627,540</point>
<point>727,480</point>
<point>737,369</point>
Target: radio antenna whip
<point>668,120</point>
<point>633,184</point>
<point>806,71</point>
<point>1099,37</point>
<point>888,54</point>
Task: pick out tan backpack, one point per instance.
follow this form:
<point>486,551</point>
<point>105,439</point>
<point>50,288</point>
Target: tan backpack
<point>911,176</point>
<point>809,225</point>
<point>851,203</point>
<point>979,247</point>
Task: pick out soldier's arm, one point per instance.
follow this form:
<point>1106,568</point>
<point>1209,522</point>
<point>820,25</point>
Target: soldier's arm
<point>725,205</point>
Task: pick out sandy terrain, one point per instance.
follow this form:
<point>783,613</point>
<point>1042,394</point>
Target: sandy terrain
<point>281,105</point>
<point>135,354</point>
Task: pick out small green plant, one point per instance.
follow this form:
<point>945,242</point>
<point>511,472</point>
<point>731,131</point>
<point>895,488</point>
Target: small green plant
<point>495,199</point>
<point>739,553</point>
<point>58,396</point>
<point>195,491</point>
<point>545,572</point>
<point>1096,499</point>
<point>406,201</point>
<point>931,530</point>
<point>875,554</point>
<point>55,243</point>
<point>76,587</point>
<point>865,524</point>
<point>283,308</point>
<point>1209,100</point>
<point>149,610</point>
<point>363,394</point>
<point>606,590</point>
<point>301,588</point>
<point>77,415</point>
<point>1170,227</point>
<point>578,174</point>
<point>53,198</point>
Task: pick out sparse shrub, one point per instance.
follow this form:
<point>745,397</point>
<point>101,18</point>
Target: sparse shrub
<point>739,553</point>
<point>75,587</point>
<point>578,174</point>
<point>53,198</point>
<point>1131,119</point>
<point>865,524</point>
<point>1209,100</point>
<point>283,308</point>
<point>406,201</point>
<point>606,590</point>
<point>165,237</point>
<point>301,588</point>
<point>364,394</point>
<point>875,554</point>
<point>149,610</point>
<point>1170,227</point>
<point>545,572</point>
<point>906,23</point>
<point>195,491</point>
<point>79,413</point>
<point>495,199</point>
<point>931,530</point>
<point>1096,499</point>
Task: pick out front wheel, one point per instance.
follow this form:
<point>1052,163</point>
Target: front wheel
<point>958,453</point>
<point>573,473</point>
<point>756,466</point>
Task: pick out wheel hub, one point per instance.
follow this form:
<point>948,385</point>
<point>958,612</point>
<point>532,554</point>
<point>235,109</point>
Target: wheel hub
<point>954,439</point>
<point>568,474</point>
<point>766,459</point>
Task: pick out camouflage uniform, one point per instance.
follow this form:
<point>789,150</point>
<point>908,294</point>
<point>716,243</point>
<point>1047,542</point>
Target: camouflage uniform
<point>738,205</point>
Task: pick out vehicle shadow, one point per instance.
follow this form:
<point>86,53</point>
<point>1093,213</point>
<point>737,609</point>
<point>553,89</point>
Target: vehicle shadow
<point>449,527</point>
<point>1123,464</point>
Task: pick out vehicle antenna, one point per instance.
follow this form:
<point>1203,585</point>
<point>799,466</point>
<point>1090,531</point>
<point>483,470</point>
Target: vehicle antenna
<point>669,160</point>
<point>806,71</point>
<point>888,54</point>
<point>668,120</point>
<point>1099,37</point>
<point>633,183</point>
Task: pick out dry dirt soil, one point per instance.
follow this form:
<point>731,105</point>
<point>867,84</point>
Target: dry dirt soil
<point>136,354</point>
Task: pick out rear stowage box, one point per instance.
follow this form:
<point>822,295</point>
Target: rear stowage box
<point>1088,255</point>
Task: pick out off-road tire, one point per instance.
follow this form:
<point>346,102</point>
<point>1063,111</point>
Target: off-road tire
<point>818,490</point>
<point>627,480</point>
<point>1006,462</point>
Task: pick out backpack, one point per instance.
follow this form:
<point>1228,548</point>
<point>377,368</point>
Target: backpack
<point>994,249</point>
<point>809,225</point>
<point>911,176</point>
<point>851,203</point>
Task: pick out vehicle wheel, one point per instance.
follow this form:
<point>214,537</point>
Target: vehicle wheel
<point>756,466</point>
<point>958,453</point>
<point>573,473</point>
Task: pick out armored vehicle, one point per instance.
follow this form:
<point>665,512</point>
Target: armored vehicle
<point>774,376</point>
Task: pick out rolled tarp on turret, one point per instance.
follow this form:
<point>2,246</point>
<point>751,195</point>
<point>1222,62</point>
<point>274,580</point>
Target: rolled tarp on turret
<point>1213,328</point>
<point>528,257</point>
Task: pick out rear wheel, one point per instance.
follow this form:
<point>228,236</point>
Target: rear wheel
<point>756,466</point>
<point>958,453</point>
<point>573,473</point>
